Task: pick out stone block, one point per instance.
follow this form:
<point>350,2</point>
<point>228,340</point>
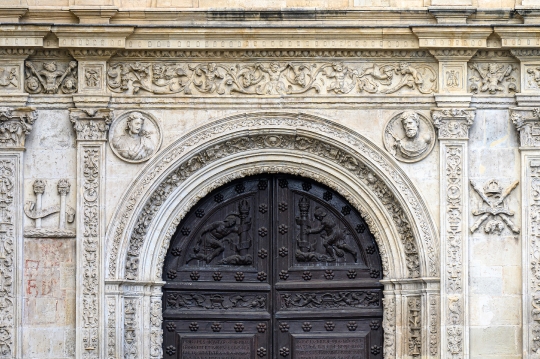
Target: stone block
<point>493,250</point>
<point>491,310</point>
<point>495,342</point>
<point>511,280</point>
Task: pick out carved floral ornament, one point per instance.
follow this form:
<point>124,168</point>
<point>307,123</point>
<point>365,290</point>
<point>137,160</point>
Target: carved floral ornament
<point>91,124</point>
<point>172,168</point>
<point>15,124</point>
<point>453,123</point>
<point>527,122</point>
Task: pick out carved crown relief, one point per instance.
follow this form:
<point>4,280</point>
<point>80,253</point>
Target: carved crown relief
<point>409,136</point>
<point>277,77</point>
<point>135,137</point>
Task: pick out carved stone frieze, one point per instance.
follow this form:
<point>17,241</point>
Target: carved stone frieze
<point>434,325</point>
<point>414,327</point>
<point>111,327</point>
<point>156,331</point>
<point>92,53</point>
<point>8,213</point>
<point>9,77</point>
<point>389,327</point>
<point>493,78</point>
<point>271,78</point>
<point>15,124</point>
<point>453,123</point>
<point>131,333</point>
<point>50,77</point>
<point>532,305</point>
<point>249,143</point>
<point>91,124</point>
<point>496,213</point>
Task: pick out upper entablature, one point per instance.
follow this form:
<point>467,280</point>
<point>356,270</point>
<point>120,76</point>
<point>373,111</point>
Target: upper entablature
<point>286,12</point>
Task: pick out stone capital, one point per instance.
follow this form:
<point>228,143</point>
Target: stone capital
<point>91,124</point>
<point>453,123</point>
<point>527,122</point>
<point>15,124</point>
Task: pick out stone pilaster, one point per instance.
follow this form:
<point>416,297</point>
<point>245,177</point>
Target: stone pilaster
<point>91,127</point>
<point>453,126</point>
<point>527,122</point>
<point>15,124</point>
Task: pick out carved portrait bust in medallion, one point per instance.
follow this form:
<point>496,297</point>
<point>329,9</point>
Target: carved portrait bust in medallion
<point>409,136</point>
<point>135,137</point>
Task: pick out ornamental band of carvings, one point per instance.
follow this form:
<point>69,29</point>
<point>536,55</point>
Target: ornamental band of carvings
<point>90,244</point>
<point>156,331</point>
<point>9,77</point>
<point>270,78</point>
<point>250,143</point>
<point>131,307</point>
<point>409,137</point>
<point>454,259</point>
<point>7,243</point>
<point>534,253</point>
<point>415,327</point>
<point>111,328</point>
<point>14,125</point>
<point>50,77</point>
<point>389,327</point>
<point>433,326</point>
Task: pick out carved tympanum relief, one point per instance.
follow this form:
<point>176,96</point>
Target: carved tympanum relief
<point>494,210</point>
<point>50,77</point>
<point>270,78</point>
<point>409,136</point>
<point>35,211</point>
<point>135,136</point>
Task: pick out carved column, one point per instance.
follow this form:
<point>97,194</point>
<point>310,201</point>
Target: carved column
<point>453,126</point>
<point>91,127</point>
<point>527,122</point>
<point>15,124</point>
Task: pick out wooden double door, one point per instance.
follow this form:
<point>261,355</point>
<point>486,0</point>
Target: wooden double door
<point>272,266</point>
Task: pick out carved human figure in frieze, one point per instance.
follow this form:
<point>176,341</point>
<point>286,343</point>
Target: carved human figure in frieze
<point>50,79</point>
<point>8,76</point>
<point>332,236</point>
<point>407,138</point>
<point>138,140</point>
<point>233,231</point>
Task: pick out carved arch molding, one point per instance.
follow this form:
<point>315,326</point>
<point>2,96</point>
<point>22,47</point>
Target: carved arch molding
<point>247,144</point>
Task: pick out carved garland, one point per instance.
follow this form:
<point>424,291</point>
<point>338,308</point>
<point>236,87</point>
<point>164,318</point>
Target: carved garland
<point>90,241</point>
<point>294,122</point>
<point>250,143</point>
<point>7,243</point>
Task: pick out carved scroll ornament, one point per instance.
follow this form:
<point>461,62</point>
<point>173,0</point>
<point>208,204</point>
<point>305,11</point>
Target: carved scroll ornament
<point>270,78</point>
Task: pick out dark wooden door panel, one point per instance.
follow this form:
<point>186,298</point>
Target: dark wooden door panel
<point>272,267</point>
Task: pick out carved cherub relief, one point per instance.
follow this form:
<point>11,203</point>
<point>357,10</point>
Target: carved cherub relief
<point>491,78</point>
<point>51,79</point>
<point>409,137</point>
<point>496,213</point>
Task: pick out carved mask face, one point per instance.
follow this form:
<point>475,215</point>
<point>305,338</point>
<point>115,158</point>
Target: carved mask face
<point>410,126</point>
<point>49,66</point>
<point>135,125</point>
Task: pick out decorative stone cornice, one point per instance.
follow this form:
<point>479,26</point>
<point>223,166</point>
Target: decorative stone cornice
<point>516,37</point>
<point>527,122</point>
<point>12,13</point>
<point>453,123</point>
<point>26,35</point>
<point>94,14</point>
<point>92,36</point>
<point>452,37</point>
<point>451,14</point>
<point>91,124</point>
<point>15,124</point>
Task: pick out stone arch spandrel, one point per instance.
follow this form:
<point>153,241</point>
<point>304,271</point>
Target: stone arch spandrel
<point>301,134</point>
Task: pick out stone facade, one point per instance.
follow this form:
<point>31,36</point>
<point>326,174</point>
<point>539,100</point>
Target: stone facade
<point>117,117</point>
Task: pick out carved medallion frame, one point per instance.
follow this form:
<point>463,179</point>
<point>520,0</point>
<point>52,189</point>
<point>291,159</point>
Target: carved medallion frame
<point>239,146</point>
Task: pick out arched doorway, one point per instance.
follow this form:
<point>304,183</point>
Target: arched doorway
<point>272,266</point>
